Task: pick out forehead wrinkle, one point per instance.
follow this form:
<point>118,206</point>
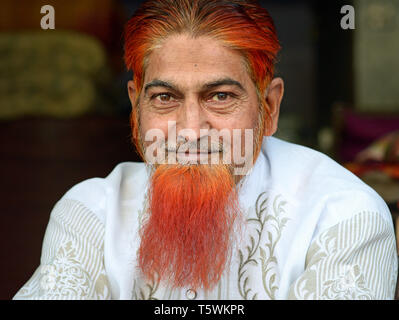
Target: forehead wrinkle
<point>158,58</point>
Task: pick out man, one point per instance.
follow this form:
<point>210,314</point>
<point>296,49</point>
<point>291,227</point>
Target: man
<point>221,210</point>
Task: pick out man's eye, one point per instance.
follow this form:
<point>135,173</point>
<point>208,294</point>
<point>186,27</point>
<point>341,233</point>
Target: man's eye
<point>220,96</point>
<point>164,97</point>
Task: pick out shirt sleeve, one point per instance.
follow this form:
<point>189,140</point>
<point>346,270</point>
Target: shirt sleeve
<point>71,264</point>
<point>354,259</point>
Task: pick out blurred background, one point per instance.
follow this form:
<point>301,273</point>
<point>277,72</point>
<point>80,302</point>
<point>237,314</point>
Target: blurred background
<point>64,108</point>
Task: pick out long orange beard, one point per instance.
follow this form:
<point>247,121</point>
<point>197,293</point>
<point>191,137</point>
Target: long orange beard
<point>186,239</point>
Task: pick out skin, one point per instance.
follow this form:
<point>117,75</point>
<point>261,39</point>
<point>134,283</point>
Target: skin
<point>201,84</point>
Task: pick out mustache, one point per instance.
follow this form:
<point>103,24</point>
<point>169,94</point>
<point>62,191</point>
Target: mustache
<point>201,145</point>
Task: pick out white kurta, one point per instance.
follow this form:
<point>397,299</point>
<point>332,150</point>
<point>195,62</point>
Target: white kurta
<point>313,231</point>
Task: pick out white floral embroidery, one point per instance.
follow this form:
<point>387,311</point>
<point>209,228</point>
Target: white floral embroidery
<point>325,245</point>
<point>266,223</point>
<point>101,288</point>
<point>72,264</point>
<point>48,277</point>
<point>275,224</point>
<point>348,285</point>
<point>64,277</point>
<point>340,268</point>
<point>146,290</point>
<point>305,287</point>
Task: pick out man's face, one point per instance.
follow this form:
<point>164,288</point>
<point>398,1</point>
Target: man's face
<point>198,84</point>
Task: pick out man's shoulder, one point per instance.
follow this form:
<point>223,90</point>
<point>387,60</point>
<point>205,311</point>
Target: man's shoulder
<point>316,181</point>
<point>307,167</point>
<point>95,193</point>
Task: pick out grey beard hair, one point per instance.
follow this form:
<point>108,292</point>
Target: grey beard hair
<point>202,145</point>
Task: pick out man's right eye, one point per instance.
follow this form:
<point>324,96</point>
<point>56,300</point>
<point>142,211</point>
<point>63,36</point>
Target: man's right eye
<point>163,97</point>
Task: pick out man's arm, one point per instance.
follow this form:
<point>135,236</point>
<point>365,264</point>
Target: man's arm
<point>72,257</point>
<point>355,259</point>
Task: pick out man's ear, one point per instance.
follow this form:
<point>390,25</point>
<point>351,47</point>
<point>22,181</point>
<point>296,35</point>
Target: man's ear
<point>274,96</point>
<point>131,89</point>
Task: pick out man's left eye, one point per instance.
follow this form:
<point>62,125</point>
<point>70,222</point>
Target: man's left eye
<point>164,97</point>
<point>220,96</point>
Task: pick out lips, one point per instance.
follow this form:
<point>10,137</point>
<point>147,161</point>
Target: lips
<point>198,152</point>
<point>187,153</point>
<point>194,155</point>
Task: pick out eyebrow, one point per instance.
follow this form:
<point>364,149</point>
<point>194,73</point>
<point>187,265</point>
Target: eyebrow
<point>223,82</point>
<point>158,83</point>
<point>206,86</point>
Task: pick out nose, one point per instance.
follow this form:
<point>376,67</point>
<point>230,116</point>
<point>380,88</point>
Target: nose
<point>191,119</point>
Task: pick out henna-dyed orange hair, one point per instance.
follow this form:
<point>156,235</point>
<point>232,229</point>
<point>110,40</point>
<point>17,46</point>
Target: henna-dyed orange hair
<point>242,25</point>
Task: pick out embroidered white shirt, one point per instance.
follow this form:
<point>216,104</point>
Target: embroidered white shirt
<point>313,231</point>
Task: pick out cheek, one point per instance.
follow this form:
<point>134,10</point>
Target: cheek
<point>243,131</point>
<point>151,127</point>
<point>243,120</point>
